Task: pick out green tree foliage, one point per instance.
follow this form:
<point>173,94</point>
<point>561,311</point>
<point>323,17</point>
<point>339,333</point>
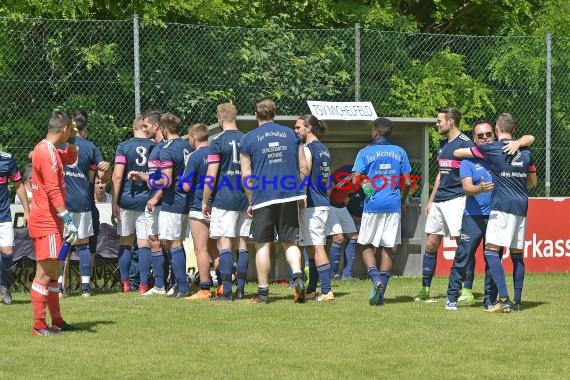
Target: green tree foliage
<point>423,87</point>
<point>379,14</point>
<point>187,69</point>
<point>293,67</point>
<point>481,17</point>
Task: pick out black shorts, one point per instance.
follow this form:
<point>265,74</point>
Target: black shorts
<point>282,218</point>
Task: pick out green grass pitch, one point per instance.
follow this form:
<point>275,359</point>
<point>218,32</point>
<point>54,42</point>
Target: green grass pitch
<point>125,336</point>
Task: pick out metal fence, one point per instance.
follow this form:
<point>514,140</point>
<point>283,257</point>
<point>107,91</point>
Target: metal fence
<point>115,69</point>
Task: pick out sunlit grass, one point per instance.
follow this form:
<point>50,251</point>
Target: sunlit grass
<point>127,336</point>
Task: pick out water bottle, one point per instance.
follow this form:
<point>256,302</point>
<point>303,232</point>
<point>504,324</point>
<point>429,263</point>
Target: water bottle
<point>368,190</point>
<point>64,251</point>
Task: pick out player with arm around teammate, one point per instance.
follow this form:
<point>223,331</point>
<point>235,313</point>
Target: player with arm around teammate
<point>130,196</point>
<point>477,184</point>
<point>154,257</point>
<point>173,217</point>
<point>512,175</point>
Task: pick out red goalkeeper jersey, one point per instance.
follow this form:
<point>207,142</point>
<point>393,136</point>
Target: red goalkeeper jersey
<point>48,188</point>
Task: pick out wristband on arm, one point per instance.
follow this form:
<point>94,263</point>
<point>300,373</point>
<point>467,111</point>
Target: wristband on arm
<point>65,217</point>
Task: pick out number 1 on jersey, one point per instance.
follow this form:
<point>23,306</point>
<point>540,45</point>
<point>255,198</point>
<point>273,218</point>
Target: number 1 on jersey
<point>235,159</point>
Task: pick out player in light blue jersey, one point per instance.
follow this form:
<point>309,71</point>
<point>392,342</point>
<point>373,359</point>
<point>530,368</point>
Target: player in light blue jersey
<point>173,217</point>
<point>229,223</point>
<point>271,159</point>
<point>512,175</point>
<point>387,170</point>
<point>9,172</point>
<point>313,219</point>
<point>130,196</point>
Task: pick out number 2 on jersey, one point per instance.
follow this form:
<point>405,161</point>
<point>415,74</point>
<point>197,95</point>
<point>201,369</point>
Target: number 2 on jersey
<point>516,161</point>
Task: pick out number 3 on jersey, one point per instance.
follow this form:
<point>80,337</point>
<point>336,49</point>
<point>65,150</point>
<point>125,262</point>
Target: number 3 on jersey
<point>142,159</point>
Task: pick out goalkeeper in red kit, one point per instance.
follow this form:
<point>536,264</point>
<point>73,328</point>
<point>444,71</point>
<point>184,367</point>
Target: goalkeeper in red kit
<point>49,221</point>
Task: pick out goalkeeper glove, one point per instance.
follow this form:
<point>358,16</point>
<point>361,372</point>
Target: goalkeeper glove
<point>70,233</point>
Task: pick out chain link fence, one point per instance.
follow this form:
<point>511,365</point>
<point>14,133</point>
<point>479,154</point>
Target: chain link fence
<point>115,69</point>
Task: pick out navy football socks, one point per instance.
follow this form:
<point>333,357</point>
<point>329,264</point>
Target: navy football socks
<point>384,278</point>
<point>335,258</point>
<point>349,254</point>
<point>314,276</point>
<point>226,267</point>
<point>428,267</point>
<point>84,265</point>
<point>518,275</point>
<point>497,272</point>
<point>5,265</point>
<point>157,259</point>
<point>373,274</point>
<point>178,260</point>
<point>145,260</point>
<point>241,267</point>
<point>324,274</point>
<point>124,261</point>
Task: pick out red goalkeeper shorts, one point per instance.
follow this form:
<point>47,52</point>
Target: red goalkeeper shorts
<point>47,246</point>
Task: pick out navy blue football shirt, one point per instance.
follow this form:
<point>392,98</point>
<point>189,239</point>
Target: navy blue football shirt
<point>174,155</point>
<point>225,150</point>
<point>133,154</point>
<point>449,180</point>
<point>79,191</point>
<point>273,150</point>
<point>509,174</point>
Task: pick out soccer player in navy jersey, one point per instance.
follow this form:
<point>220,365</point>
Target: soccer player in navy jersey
<point>225,202</point>
<point>152,256</point>
<point>313,219</point>
<point>173,216</point>
<point>79,182</point>
<point>447,201</point>
<point>130,196</point>
<point>9,172</point>
<point>387,170</point>
<point>271,159</point>
<point>340,223</point>
<point>477,184</point>
<point>194,181</point>
<point>512,175</point>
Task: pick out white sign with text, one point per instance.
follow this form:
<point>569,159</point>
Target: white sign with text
<point>342,110</point>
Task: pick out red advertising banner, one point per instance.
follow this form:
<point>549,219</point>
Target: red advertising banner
<point>547,242</point>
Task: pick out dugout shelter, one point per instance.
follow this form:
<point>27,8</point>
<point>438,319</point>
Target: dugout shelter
<point>345,138</point>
